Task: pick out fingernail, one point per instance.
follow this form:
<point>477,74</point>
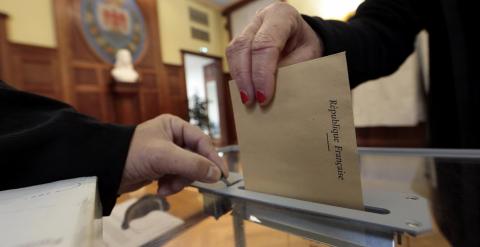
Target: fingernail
<point>244,96</point>
<point>260,97</point>
<point>213,173</point>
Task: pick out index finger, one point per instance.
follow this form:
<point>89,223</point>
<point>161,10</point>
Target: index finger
<point>197,141</point>
<point>239,61</point>
<point>267,46</point>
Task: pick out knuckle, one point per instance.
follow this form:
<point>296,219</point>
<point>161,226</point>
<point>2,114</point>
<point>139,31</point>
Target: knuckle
<point>238,44</point>
<point>166,116</point>
<point>263,41</point>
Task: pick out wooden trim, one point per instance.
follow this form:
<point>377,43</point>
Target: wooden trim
<point>33,48</point>
<point>5,70</point>
<point>414,136</point>
<point>62,22</point>
<point>164,99</point>
<point>35,69</point>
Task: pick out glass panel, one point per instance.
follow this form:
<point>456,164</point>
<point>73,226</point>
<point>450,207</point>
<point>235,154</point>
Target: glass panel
<point>213,110</point>
<point>448,179</point>
<point>203,102</point>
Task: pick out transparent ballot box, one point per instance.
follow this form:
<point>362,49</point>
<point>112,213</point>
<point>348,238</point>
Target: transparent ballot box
<point>403,189</point>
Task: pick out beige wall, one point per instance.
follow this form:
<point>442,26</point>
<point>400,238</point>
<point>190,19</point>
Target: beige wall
<point>31,21</point>
<point>175,30</point>
<point>328,9</point>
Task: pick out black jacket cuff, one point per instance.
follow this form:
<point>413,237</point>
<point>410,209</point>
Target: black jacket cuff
<point>114,154</point>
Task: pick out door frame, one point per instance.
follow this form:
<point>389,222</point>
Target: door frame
<point>225,106</point>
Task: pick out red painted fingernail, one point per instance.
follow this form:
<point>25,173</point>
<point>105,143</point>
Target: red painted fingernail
<point>260,97</point>
<point>244,96</point>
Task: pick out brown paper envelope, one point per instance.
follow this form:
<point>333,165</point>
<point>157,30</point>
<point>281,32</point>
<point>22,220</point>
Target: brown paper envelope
<point>303,144</point>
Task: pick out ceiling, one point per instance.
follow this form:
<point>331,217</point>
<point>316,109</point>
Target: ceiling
<point>219,4</point>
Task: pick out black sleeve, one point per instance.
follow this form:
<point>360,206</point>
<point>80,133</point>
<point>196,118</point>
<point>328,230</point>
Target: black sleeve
<point>377,39</point>
<point>43,140</point>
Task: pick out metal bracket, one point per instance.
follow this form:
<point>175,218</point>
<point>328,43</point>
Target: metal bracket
<point>386,215</point>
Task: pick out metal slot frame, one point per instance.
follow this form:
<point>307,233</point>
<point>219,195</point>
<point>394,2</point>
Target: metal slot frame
<point>388,214</point>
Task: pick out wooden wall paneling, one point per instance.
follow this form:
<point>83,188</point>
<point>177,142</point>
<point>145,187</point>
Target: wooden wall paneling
<point>127,103</point>
<point>88,103</point>
<point>149,104</point>
<point>79,47</point>
<point>153,54</point>
<point>106,96</point>
<point>148,59</point>
<point>4,50</point>
<point>83,59</point>
<point>84,75</point>
<point>148,94</point>
<point>148,79</point>
<point>36,70</point>
<point>178,90</point>
<point>62,11</point>
<point>87,77</point>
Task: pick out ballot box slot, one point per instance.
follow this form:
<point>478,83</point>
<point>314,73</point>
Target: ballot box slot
<point>390,211</point>
<point>370,209</point>
<point>376,210</point>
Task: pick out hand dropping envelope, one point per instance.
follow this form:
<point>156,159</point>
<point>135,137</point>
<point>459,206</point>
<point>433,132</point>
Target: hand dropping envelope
<point>303,144</point>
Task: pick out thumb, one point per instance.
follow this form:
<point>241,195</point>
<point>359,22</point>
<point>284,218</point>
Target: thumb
<point>184,163</point>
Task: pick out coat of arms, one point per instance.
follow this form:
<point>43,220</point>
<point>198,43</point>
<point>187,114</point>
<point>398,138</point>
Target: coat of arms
<point>110,25</point>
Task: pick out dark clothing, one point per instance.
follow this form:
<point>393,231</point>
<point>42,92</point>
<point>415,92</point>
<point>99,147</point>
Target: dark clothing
<point>43,140</point>
<point>379,38</point>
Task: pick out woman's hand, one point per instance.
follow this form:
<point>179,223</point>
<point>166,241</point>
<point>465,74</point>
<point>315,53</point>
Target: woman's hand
<point>277,36</point>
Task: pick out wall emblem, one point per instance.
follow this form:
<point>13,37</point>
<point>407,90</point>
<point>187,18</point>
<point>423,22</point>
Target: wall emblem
<point>110,25</point>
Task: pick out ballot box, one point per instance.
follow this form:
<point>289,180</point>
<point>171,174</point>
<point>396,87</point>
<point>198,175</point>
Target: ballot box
<point>398,184</point>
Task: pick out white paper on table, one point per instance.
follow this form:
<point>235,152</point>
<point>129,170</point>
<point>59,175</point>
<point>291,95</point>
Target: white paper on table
<point>55,214</point>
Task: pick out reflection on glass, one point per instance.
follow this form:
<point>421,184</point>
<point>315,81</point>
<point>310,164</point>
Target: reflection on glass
<point>202,94</point>
<point>213,111</point>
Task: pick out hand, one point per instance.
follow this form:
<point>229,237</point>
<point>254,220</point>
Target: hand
<point>278,36</point>
<point>173,152</point>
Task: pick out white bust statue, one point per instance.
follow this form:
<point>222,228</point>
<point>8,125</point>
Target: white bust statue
<point>123,70</point>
